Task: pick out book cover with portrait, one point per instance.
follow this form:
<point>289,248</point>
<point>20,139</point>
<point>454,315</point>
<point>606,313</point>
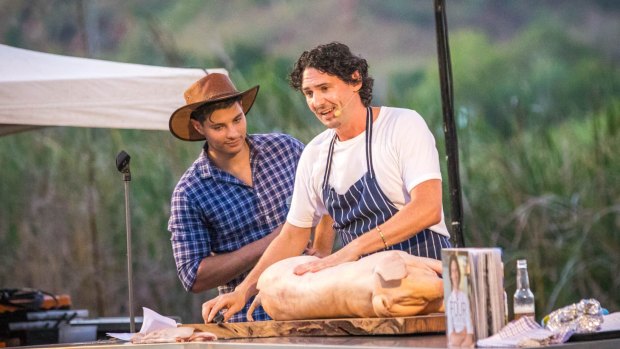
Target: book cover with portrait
<point>473,294</point>
<point>459,311</point>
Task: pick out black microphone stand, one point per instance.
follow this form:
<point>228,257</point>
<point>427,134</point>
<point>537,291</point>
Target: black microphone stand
<point>122,164</point>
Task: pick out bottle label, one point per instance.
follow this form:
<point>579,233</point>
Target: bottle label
<point>524,310</point>
<point>518,316</point>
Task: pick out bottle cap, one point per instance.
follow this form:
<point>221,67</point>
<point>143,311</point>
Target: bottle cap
<point>521,263</point>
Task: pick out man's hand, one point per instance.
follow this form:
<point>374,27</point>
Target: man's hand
<point>233,302</point>
<point>290,242</point>
<point>342,256</point>
<point>311,251</point>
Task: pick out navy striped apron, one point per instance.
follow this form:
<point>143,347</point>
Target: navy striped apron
<point>364,206</point>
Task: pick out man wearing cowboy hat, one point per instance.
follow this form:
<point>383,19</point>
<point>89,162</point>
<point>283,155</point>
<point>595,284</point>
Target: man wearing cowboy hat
<point>231,203</point>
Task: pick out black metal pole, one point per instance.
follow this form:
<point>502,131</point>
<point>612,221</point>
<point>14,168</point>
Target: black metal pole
<point>122,164</point>
<point>132,316</point>
<point>447,104</point>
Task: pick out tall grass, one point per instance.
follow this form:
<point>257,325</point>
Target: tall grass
<point>62,217</point>
<point>551,196</point>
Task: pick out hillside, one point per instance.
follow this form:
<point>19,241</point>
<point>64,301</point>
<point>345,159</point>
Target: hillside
<point>394,35</point>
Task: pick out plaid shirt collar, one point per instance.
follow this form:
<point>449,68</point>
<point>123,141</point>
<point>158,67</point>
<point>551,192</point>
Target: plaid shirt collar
<point>208,169</point>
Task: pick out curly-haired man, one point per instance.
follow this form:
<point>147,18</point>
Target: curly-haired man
<point>375,171</point>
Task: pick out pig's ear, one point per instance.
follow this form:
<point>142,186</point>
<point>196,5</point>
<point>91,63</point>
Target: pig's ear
<point>391,267</point>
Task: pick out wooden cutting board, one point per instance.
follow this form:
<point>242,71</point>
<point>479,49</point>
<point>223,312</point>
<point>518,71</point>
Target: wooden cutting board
<point>432,323</point>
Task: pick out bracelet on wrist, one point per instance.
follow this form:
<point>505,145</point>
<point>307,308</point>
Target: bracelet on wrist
<point>382,236</point>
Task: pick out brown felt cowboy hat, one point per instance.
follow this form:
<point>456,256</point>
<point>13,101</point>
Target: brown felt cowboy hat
<point>212,88</point>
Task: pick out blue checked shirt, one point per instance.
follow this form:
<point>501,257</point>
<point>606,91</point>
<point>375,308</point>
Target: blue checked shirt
<point>214,212</point>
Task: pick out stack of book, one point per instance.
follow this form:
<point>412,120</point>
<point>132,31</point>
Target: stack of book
<point>475,300</point>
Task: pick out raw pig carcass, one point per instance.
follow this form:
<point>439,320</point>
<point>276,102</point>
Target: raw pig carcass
<point>383,284</point>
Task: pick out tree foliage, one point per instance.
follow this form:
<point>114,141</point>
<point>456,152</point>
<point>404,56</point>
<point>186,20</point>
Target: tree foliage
<point>537,109</point>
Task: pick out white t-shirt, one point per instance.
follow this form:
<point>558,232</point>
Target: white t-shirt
<point>459,315</point>
<point>403,154</point>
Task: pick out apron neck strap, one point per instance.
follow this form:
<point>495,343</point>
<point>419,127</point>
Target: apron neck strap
<point>330,154</point>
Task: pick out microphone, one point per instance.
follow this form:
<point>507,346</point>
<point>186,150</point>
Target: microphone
<point>339,109</point>
<point>122,165</point>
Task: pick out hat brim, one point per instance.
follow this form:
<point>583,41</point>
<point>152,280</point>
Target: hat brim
<point>180,126</point>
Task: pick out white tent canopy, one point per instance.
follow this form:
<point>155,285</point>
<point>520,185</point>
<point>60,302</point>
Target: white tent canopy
<point>42,89</point>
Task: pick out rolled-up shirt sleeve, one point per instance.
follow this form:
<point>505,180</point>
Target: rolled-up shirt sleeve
<point>212,211</point>
<point>190,238</point>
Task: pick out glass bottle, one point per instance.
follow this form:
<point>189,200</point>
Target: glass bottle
<point>524,298</point>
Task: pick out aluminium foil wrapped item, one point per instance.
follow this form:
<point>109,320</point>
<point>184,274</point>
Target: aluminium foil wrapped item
<point>583,317</point>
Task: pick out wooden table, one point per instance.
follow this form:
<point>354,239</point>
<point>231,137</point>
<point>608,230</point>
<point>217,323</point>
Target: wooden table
<point>341,342</point>
<point>433,323</point>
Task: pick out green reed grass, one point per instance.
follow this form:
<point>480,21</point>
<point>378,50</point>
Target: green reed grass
<point>551,196</point>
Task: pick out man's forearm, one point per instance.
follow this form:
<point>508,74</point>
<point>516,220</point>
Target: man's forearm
<point>324,236</point>
<point>423,211</point>
<point>219,269</point>
<point>291,242</point>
